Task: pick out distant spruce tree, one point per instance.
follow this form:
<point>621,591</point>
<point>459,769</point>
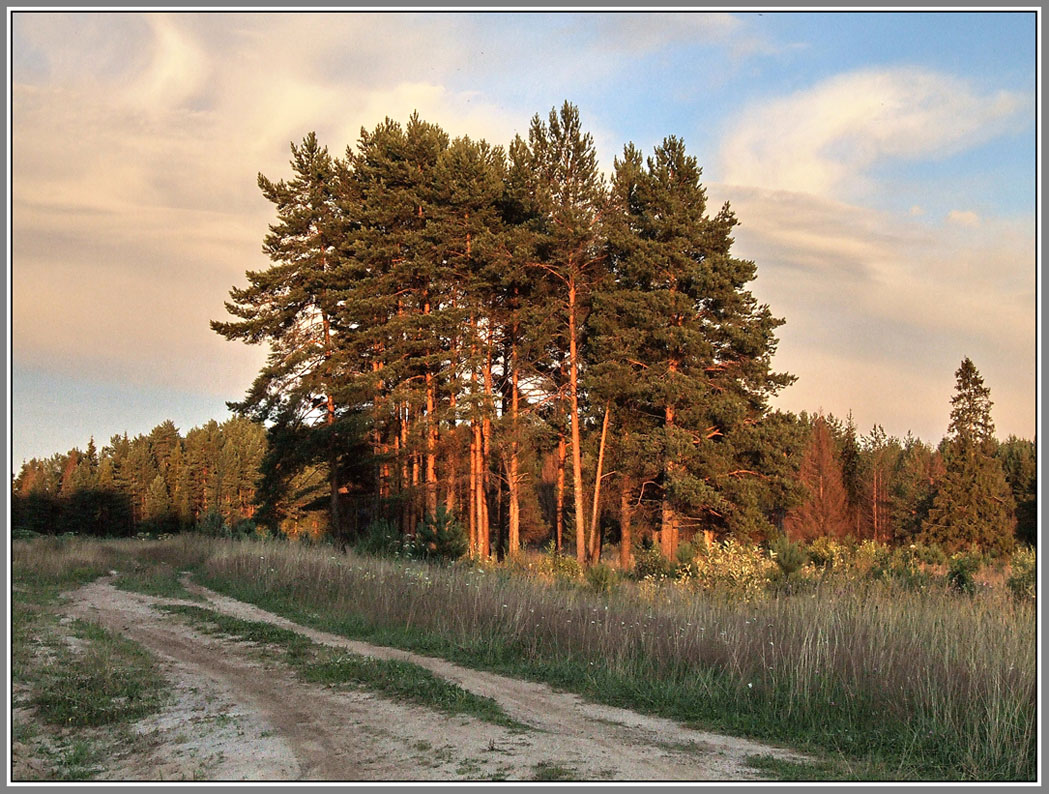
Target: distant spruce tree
<point>1019,460</point>
<point>825,510</point>
<point>973,505</point>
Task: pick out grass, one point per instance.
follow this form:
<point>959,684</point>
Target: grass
<point>785,770</point>
<point>158,579</point>
<point>547,771</point>
<point>319,664</point>
<point>106,680</point>
<point>903,684</point>
<point>76,676</point>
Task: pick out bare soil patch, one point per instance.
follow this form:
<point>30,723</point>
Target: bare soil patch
<point>237,716</point>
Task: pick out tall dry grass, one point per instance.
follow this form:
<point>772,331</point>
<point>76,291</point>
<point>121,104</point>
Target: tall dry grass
<point>942,681</point>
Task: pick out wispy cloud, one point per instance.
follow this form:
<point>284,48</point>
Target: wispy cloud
<point>823,140</point>
<point>135,207</point>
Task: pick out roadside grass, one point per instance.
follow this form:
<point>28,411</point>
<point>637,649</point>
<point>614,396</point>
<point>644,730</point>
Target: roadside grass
<point>70,678</point>
<point>902,684</point>
<point>319,664</point>
<point>784,770</point>
<point>102,680</point>
<point>547,771</point>
<point>155,579</point>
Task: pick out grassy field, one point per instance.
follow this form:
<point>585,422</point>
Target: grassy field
<point>882,681</point>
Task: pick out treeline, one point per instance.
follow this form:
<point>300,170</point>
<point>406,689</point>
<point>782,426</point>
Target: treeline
<point>160,482</point>
<point>897,491</point>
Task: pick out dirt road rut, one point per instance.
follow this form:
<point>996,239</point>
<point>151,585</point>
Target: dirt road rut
<point>238,717</point>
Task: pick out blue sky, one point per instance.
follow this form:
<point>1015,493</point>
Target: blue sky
<point>882,166</point>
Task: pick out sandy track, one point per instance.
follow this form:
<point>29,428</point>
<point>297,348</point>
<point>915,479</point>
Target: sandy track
<point>281,728</point>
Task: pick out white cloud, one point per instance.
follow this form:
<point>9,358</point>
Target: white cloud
<point>135,205</point>
<point>824,139</point>
<point>881,308</point>
<point>963,218</point>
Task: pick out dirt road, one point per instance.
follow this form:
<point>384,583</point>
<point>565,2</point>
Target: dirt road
<point>236,716</point>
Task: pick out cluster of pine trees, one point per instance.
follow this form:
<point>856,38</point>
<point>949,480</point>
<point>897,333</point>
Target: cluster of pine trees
<point>160,482</point>
<point>507,337</point>
<point>506,334</point>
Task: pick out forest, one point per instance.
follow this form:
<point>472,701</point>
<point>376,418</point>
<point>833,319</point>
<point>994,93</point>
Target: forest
<point>502,344</point>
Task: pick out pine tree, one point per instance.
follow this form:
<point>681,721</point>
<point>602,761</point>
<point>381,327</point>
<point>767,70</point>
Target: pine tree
<point>567,195</point>
<point>973,505</point>
<point>678,321</point>
<point>292,305</point>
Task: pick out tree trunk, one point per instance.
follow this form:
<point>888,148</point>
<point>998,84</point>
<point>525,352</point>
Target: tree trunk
<point>595,534</point>
<point>562,453</point>
<point>577,454</point>
<point>668,523</point>
<point>333,475</point>
<point>513,541</point>
<point>402,449</point>
<point>431,445</point>
<point>626,514</point>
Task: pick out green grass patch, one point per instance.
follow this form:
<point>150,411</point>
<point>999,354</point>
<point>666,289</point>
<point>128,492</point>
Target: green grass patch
<point>547,771</point>
<point>104,680</point>
<point>160,580</point>
<point>784,770</point>
<point>321,664</point>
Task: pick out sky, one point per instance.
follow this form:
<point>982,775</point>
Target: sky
<point>882,166</point>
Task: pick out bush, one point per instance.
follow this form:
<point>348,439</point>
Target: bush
<point>828,554</point>
<point>380,538</point>
<point>440,536</point>
<point>789,557</point>
<point>245,528</point>
<point>214,524</point>
<point>1023,579</point>
<point>601,577</point>
<point>557,565</point>
<point>930,554</point>
<point>734,568</point>
<point>961,568</point>
<point>649,562</point>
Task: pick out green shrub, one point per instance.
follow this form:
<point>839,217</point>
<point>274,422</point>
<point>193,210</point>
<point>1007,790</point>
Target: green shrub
<point>380,538</point>
<point>790,557</point>
<point>930,554</point>
<point>558,565</point>
<point>441,536</point>
<point>213,524</point>
<point>1023,579</point>
<point>828,554</point>
<point>649,562</point>
<point>960,570</point>
<point>601,577</point>
<point>245,528</point>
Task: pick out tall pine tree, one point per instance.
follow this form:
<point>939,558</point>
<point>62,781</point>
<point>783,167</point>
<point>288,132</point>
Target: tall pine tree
<point>973,505</point>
